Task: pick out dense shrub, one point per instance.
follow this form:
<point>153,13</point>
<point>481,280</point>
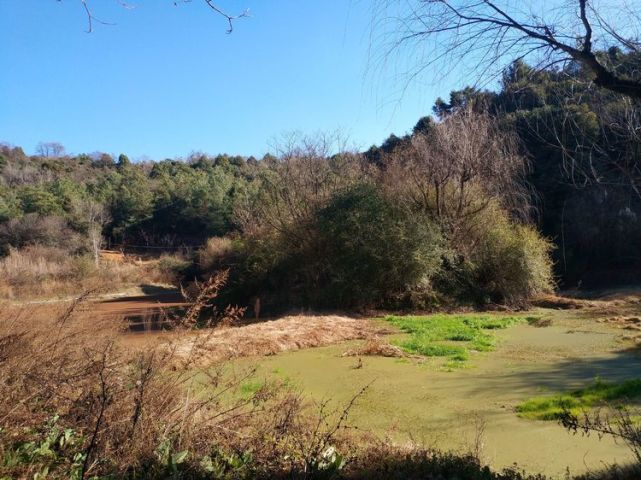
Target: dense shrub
<point>374,252</point>
<point>173,267</point>
<point>357,250</point>
<point>33,229</point>
<point>216,251</point>
<point>432,226</point>
<point>511,262</point>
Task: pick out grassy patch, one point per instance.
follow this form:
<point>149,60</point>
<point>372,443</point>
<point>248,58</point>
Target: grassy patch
<point>598,394</point>
<point>250,387</point>
<point>451,336</point>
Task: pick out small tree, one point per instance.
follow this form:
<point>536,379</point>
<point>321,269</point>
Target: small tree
<point>458,168</point>
<point>123,161</point>
<point>97,216</point>
<point>50,149</point>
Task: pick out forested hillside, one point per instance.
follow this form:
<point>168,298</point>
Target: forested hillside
<point>311,227</point>
<point>169,203</point>
<point>583,146</point>
<point>435,216</point>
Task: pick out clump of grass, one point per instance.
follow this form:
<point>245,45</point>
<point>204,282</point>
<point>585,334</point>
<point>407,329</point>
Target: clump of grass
<point>598,394</point>
<point>451,336</point>
<point>249,388</point>
<point>539,322</point>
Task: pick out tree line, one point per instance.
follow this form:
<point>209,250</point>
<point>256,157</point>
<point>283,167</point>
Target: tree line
<point>493,198</point>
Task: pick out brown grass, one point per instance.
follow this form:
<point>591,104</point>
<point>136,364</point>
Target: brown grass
<point>67,382</point>
<point>630,323</point>
<point>627,323</point>
<point>272,337</point>
<point>565,303</point>
<point>376,347</point>
<point>45,272</point>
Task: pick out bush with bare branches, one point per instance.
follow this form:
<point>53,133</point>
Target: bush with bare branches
<point>76,404</point>
<point>458,168</point>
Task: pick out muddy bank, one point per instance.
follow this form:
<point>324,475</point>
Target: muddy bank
<point>146,312</point>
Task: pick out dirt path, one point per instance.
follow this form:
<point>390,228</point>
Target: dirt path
<point>141,307</point>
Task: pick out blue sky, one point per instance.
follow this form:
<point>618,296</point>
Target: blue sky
<point>166,81</point>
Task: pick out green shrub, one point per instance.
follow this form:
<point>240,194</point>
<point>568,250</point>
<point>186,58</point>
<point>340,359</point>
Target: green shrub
<point>359,250</point>
<point>173,267</point>
<point>374,252</point>
<point>215,252</point>
<point>508,262</point>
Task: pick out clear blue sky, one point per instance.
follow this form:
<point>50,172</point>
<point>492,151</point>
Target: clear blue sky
<point>166,81</point>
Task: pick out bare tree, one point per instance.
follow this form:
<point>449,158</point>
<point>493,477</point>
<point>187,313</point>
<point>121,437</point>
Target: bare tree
<point>50,149</point>
<point>492,33</point>
<point>605,151</point>
<point>97,216</point>
<point>459,168</point>
<point>91,17</point>
<point>304,176</point>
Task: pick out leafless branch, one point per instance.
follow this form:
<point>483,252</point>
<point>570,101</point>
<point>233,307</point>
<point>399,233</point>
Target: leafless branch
<point>230,18</point>
<point>493,32</point>
<point>91,18</point>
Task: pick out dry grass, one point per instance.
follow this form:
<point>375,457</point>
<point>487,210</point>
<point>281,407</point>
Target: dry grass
<point>565,303</point>
<point>37,272</point>
<point>214,250</point>
<point>627,323</point>
<point>76,404</point>
<point>376,347</point>
<point>630,323</point>
<point>601,303</point>
<point>272,337</point>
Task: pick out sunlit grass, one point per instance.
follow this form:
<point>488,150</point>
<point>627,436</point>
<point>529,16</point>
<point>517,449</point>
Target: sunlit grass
<point>598,394</point>
<point>451,336</point>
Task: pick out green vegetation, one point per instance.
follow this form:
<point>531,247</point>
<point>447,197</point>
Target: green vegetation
<point>598,394</point>
<point>250,387</point>
<point>599,222</point>
<point>457,207</point>
<point>452,336</point>
<point>305,229</point>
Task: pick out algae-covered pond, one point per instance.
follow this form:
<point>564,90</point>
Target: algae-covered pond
<point>419,400</point>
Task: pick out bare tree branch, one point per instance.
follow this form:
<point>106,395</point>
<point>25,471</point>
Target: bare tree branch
<point>91,18</point>
<point>230,18</point>
<point>494,32</point>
